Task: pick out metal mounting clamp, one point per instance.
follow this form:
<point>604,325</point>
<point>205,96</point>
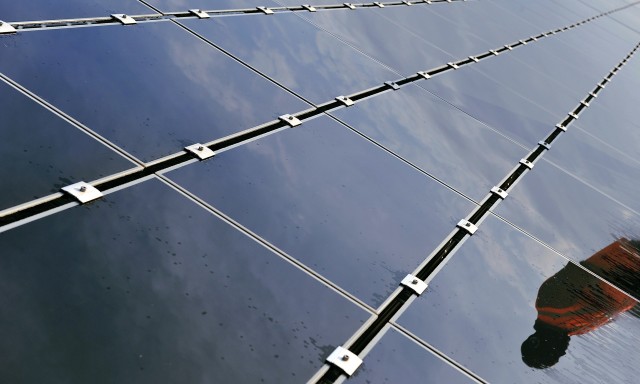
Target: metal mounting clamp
<point>522,42</point>
<point>392,85</point>
<point>6,28</point>
<point>124,19</point>
<point>495,53</point>
<point>200,13</point>
<point>345,100</point>
<point>407,2</point>
<point>467,226</point>
<point>265,10</point>
<point>309,7</point>
<point>561,127</point>
<point>453,65</point>
<point>534,38</point>
<point>584,103</point>
<point>379,4</point>
<point>291,120</point>
<point>424,74</point>
<point>573,115</point>
<point>594,95</point>
<point>202,152</point>
<point>349,5</point>
<point>83,192</point>
<point>526,163</point>
<point>474,59</point>
<point>509,47</point>
<point>345,360</point>
<point>602,86</point>
<point>544,145</point>
<point>501,193</point>
<point>416,285</point>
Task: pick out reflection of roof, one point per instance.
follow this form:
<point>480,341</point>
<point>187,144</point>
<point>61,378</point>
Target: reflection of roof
<point>276,184</point>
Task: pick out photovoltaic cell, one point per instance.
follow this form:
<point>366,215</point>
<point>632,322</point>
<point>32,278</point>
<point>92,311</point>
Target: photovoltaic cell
<point>398,359</point>
<point>183,5</point>
<point>145,286</point>
<point>440,139</point>
<point>550,205</point>
<point>492,103</point>
<point>397,48</point>
<point>481,310</point>
<point>29,10</point>
<point>295,53</point>
<point>332,200</point>
<point>42,153</point>
<point>151,88</point>
<point>437,30</point>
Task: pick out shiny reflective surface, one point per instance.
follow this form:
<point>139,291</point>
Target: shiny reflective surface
<point>487,21</point>
<point>29,10</point>
<point>513,311</point>
<point>429,26</point>
<point>145,286</point>
<point>151,88</point>
<point>603,167</point>
<point>332,200</point>
<point>183,5</point>
<point>551,205</point>
<point>399,359</point>
<point>441,140</point>
<point>387,42</point>
<point>303,58</point>
<point>42,153</point>
<point>492,103</point>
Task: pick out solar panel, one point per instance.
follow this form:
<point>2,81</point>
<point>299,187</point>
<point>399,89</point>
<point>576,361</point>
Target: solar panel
<point>483,319</point>
<point>266,191</point>
<point>151,88</point>
<point>330,199</point>
<point>301,57</point>
<point>41,152</point>
<point>148,286</point>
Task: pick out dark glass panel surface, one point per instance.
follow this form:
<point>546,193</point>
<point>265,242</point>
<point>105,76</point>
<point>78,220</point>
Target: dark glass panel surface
<point>382,39</point>
<point>603,167</point>
<point>399,359</point>
<point>145,286</point>
<point>151,88</point>
<point>543,14</point>
<point>184,5</point>
<point>42,153</point>
<point>566,213</point>
<point>437,30</point>
<point>295,53</point>
<point>438,138</point>
<point>487,21</point>
<point>513,311</point>
<point>332,200</point>
<point>488,100</point>
<point>30,10</point>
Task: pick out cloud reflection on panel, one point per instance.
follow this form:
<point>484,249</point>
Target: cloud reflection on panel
<point>295,53</point>
<point>145,286</point>
<point>481,319</point>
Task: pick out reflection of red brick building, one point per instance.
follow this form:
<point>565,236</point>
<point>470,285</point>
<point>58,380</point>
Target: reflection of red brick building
<point>577,302</point>
<point>574,302</point>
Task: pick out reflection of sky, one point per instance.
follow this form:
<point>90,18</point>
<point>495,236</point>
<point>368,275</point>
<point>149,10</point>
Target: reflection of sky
<point>436,137</point>
<point>551,205</point>
<point>174,89</point>
<point>332,200</point>
<point>29,10</point>
<point>158,291</point>
<point>481,319</point>
<point>301,57</point>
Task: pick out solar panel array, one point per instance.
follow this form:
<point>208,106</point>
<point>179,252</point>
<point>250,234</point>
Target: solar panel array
<point>372,192</point>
